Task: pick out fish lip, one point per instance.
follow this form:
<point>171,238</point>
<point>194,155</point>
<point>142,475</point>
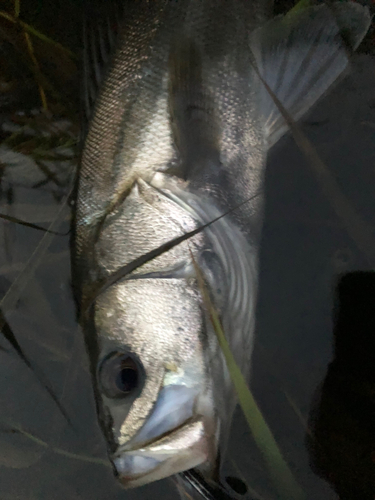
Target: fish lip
<point>162,462</point>
<point>175,405</point>
<point>153,442</point>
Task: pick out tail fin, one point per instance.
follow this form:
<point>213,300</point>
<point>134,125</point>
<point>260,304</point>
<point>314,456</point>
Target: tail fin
<point>300,55</point>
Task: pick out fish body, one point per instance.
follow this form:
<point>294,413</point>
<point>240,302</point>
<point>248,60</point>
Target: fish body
<point>179,136</point>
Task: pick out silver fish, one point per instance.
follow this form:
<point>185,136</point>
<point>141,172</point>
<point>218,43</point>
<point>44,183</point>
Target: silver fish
<point>179,135</point>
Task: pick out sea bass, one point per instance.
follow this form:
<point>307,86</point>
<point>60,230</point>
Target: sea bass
<point>178,137</point>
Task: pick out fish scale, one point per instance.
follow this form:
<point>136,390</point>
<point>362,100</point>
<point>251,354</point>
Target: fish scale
<point>179,136</point>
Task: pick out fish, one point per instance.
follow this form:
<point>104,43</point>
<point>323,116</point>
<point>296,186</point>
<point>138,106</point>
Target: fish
<point>177,144</point>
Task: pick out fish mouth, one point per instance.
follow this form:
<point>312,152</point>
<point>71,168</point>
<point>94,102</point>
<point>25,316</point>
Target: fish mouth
<point>183,448</point>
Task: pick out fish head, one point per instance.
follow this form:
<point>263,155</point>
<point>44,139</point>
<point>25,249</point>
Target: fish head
<point>153,386</point>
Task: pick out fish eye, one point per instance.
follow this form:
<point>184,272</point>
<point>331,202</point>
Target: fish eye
<point>119,375</point>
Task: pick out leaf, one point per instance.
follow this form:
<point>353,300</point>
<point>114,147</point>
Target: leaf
<point>15,220</point>
<point>18,453</point>
<point>9,301</point>
<point>279,471</point>
<point>35,213</point>
<point>16,430</point>
<point>11,338</point>
<point>29,29</point>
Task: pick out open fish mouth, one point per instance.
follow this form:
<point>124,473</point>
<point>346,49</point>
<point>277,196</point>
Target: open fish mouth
<point>183,448</point>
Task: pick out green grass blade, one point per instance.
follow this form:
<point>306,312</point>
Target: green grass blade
<point>280,473</point>
<point>17,8</point>
<point>44,38</point>
<point>302,4</point>
<point>75,456</point>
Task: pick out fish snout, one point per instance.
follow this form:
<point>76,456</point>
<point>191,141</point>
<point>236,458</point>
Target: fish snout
<point>174,438</point>
<point>182,449</point>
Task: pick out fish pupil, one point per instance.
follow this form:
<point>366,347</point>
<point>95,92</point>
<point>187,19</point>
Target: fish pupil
<point>119,374</point>
<point>127,380</point>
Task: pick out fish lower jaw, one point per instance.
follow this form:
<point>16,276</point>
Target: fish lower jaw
<point>187,447</point>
